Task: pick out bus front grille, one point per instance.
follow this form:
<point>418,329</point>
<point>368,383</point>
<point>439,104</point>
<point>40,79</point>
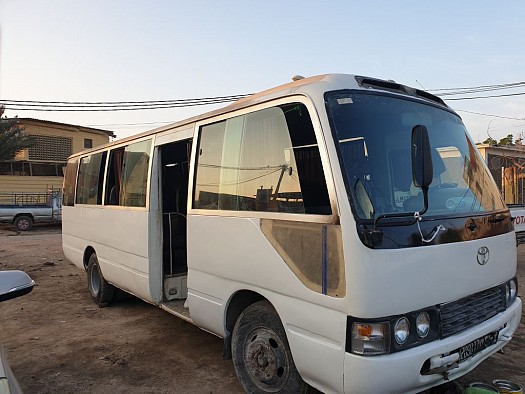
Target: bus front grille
<point>469,311</point>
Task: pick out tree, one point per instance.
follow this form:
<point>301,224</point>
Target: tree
<point>491,141</point>
<point>508,140</point>
<point>12,140</point>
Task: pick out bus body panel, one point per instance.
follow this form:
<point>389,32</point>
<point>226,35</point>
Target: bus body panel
<point>155,231</point>
<point>176,134</point>
<point>227,253</point>
<point>400,372</point>
<point>209,291</point>
<point>436,274</point>
<point>324,370</point>
<point>122,255</point>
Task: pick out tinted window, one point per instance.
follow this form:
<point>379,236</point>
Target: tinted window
<point>20,168</point>
<point>127,178</point>
<point>90,177</point>
<point>5,169</point>
<point>263,161</point>
<point>43,169</point>
<point>70,177</point>
<point>374,132</point>
<point>135,174</point>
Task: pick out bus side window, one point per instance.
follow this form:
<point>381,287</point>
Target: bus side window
<point>308,160</point>
<point>90,176</point>
<point>113,177</point>
<point>267,160</point>
<point>127,178</point>
<point>70,177</point>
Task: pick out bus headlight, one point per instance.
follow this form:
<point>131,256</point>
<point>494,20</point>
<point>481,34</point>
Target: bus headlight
<point>391,334</point>
<point>370,339</point>
<point>401,330</point>
<point>422,324</point>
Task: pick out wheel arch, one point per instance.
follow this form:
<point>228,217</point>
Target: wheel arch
<point>87,254</point>
<point>237,303</point>
<point>23,214</point>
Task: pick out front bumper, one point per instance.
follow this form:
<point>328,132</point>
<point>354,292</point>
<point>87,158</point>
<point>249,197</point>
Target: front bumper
<point>401,372</point>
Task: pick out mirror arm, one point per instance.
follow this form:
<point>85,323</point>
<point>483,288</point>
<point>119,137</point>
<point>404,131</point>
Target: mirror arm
<point>424,189</point>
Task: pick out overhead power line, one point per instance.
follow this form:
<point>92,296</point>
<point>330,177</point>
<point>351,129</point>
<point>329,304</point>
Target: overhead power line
<point>490,115</point>
<point>131,124</point>
<point>85,106</point>
<point>481,87</point>
<point>118,103</point>
<point>484,97</point>
<point>446,92</point>
<point>109,106</point>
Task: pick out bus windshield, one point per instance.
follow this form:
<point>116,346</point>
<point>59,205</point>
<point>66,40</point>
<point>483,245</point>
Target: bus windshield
<point>373,132</point>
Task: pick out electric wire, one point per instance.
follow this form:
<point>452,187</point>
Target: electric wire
<point>484,97</point>
<point>481,87</point>
<point>131,124</point>
<point>490,115</point>
<point>241,181</point>
<point>109,106</point>
<point>105,106</point>
<point>268,167</point>
<point>111,109</point>
<point>232,97</point>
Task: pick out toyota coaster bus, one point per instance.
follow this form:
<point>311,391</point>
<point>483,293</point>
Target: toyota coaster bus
<point>339,232</point>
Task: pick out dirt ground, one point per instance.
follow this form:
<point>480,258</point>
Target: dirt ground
<point>58,341</point>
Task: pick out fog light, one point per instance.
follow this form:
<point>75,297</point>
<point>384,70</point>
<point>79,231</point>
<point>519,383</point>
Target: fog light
<point>370,338</point>
<point>401,330</point>
<point>512,291</point>
<point>422,324</point>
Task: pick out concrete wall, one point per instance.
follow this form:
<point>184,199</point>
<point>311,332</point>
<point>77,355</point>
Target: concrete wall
<point>29,184</point>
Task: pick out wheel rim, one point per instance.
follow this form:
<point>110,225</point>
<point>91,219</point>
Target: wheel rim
<point>23,224</point>
<point>94,282</point>
<point>266,360</point>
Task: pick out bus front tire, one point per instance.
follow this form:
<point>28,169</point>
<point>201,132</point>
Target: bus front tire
<point>261,353</point>
<point>23,223</point>
<point>101,291</point>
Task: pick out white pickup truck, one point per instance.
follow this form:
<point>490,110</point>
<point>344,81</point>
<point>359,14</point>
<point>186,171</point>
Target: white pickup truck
<point>517,212</point>
<point>24,209</point>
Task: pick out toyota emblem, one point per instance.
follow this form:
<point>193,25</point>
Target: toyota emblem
<point>483,255</point>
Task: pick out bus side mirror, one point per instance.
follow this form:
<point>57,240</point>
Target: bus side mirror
<point>422,171</point>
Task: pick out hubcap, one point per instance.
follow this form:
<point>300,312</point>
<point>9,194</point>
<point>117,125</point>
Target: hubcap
<point>23,224</point>
<point>266,360</point>
<point>94,280</point>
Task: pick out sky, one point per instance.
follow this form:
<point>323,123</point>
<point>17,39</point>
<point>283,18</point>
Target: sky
<point>131,50</point>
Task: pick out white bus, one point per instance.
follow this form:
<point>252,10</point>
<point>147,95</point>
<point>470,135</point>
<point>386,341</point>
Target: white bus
<point>339,232</point>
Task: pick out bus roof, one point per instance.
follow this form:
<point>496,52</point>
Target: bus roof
<point>311,86</point>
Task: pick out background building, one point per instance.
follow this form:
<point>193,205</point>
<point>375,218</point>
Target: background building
<point>507,166</point>
<point>40,168</point>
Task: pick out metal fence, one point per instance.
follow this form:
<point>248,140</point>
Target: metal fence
<point>28,199</point>
<point>509,174</point>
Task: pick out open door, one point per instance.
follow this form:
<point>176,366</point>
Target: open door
<point>174,194</point>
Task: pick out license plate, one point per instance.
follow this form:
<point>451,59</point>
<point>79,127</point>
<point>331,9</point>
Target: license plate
<point>477,345</point>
